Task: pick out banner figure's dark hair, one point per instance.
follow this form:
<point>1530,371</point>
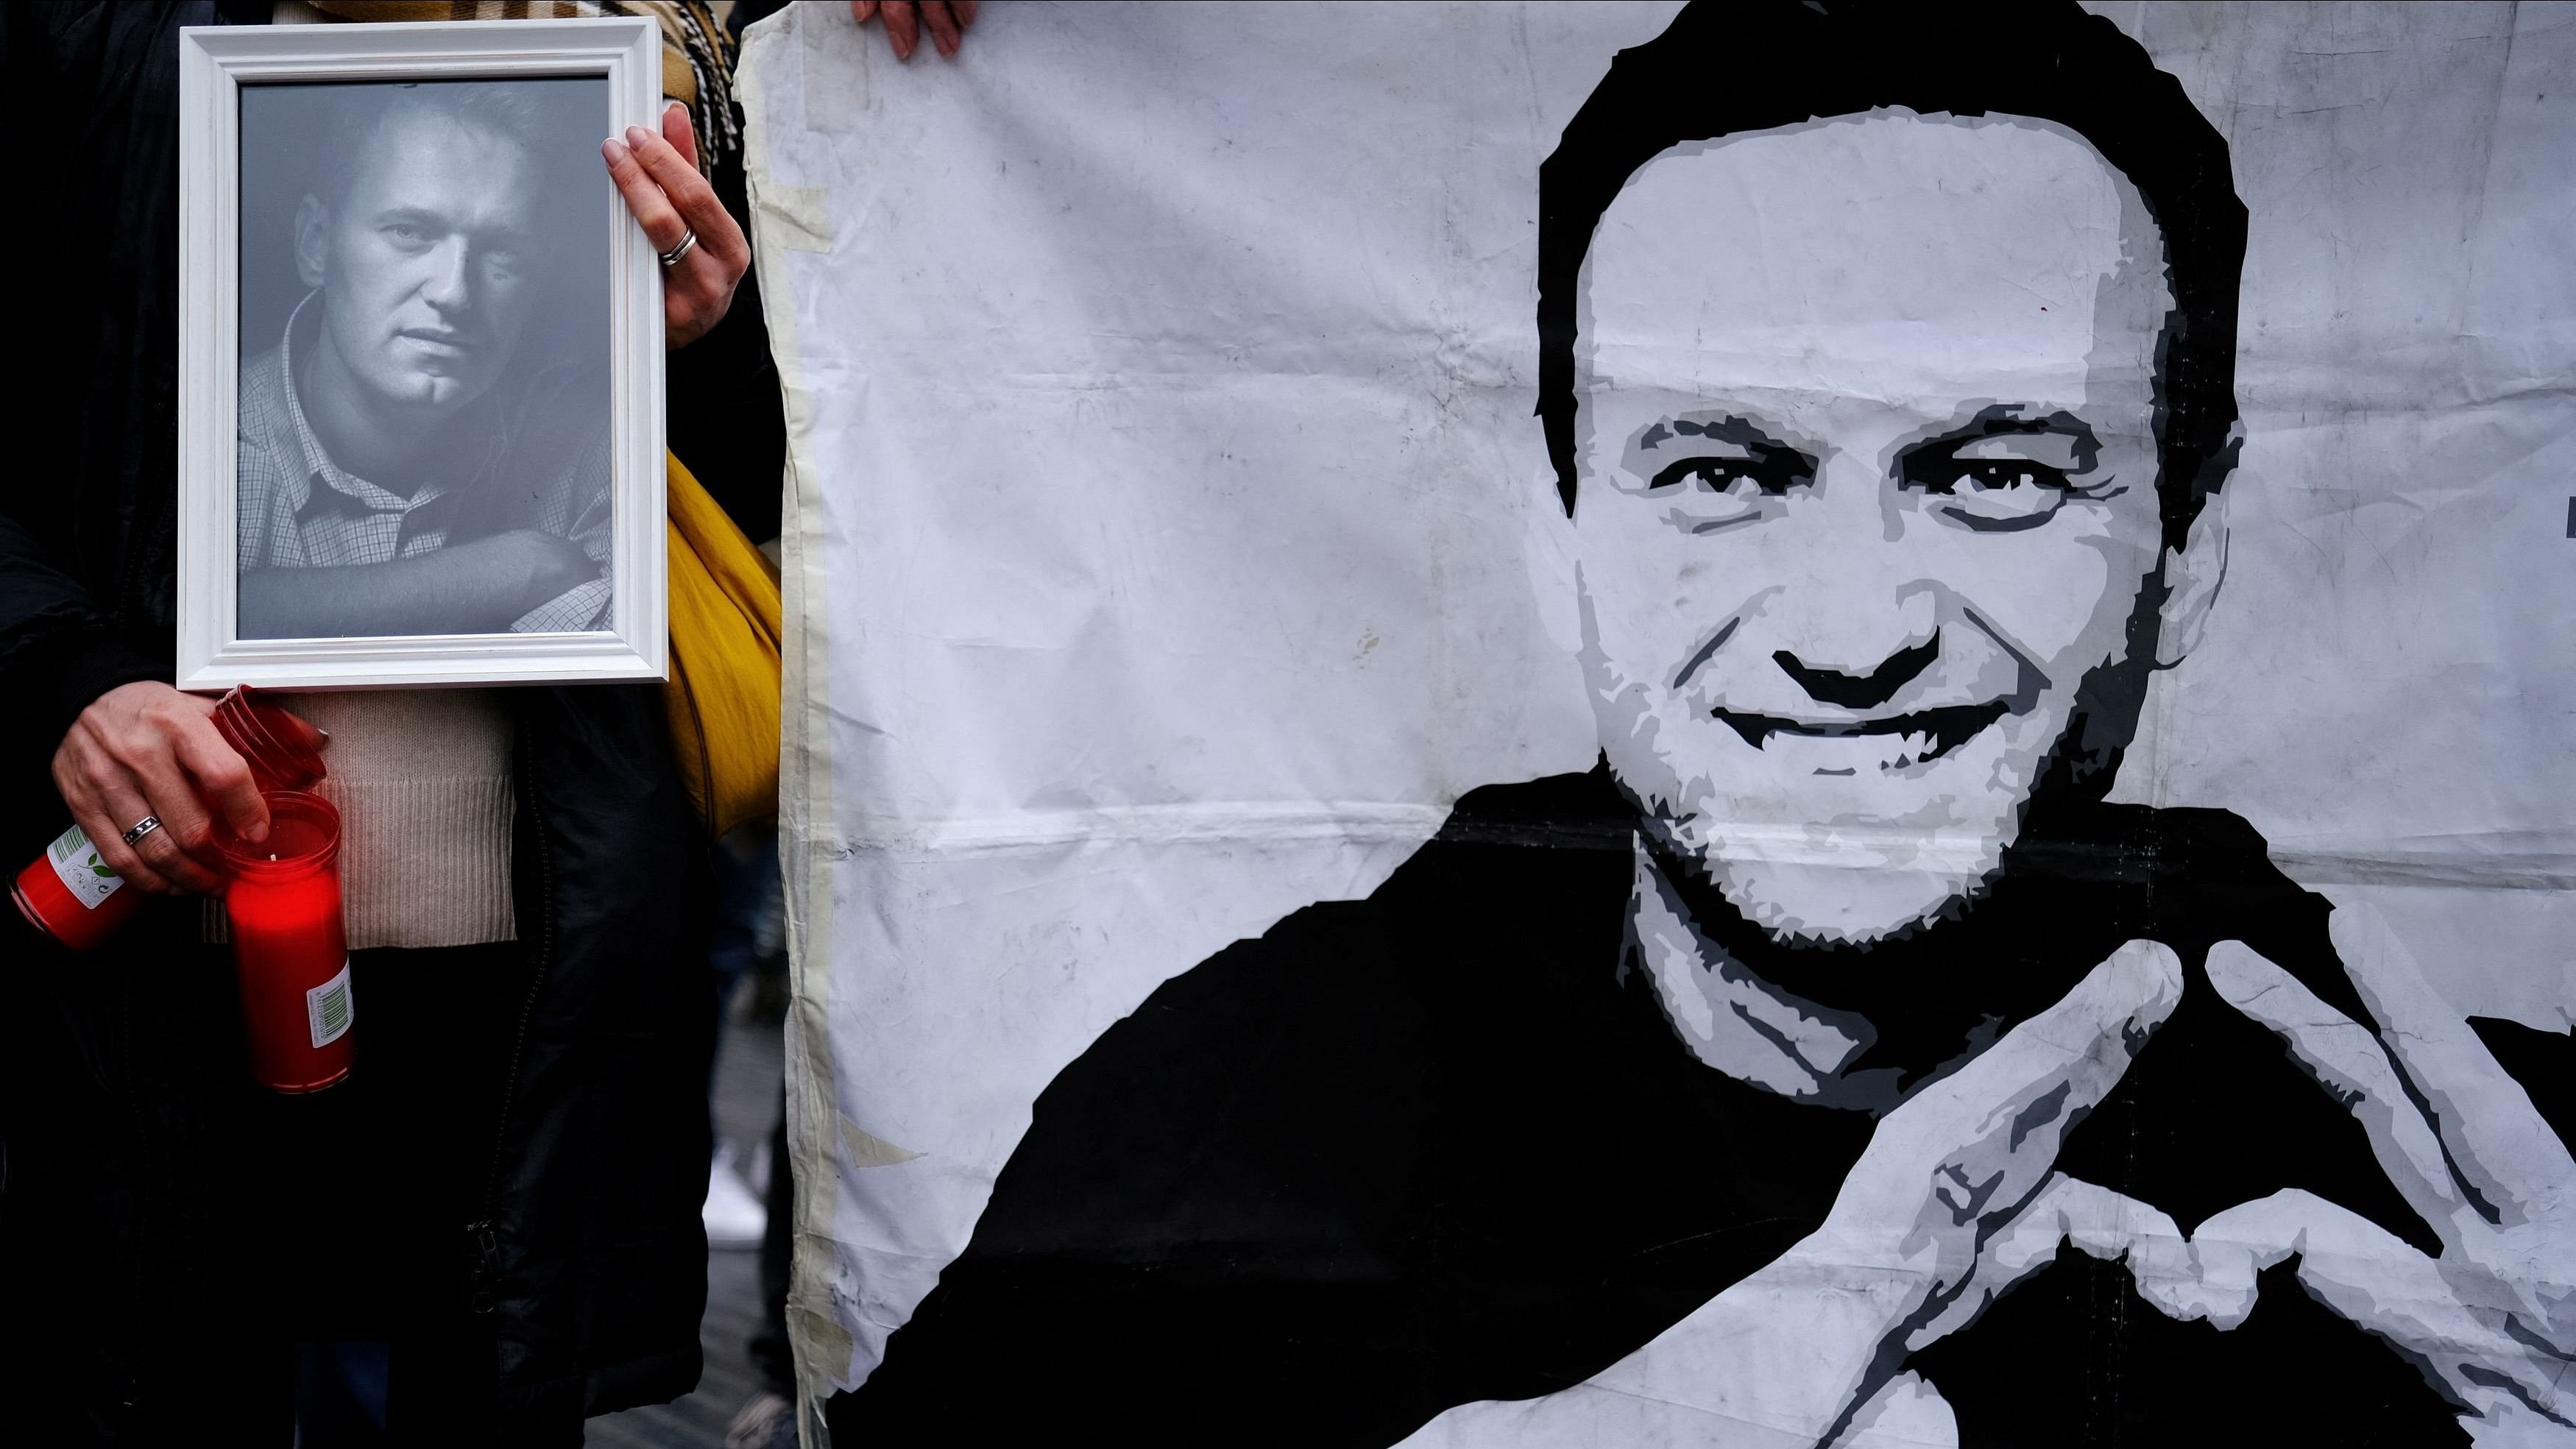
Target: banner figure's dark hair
<point>1720,69</point>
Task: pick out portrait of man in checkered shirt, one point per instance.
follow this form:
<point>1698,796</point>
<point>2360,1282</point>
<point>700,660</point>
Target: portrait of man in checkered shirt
<point>424,443</point>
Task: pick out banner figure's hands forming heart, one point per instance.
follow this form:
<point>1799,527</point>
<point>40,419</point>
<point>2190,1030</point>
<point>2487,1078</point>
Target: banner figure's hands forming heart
<point>2492,1320</point>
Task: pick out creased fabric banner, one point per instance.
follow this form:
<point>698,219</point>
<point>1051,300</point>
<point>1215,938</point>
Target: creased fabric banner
<point>1624,724</point>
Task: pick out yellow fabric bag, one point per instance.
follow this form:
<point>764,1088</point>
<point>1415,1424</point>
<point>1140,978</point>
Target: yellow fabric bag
<point>724,688</point>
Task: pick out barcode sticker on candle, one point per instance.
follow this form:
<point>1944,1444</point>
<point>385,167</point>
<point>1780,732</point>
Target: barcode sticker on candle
<point>77,866</point>
<point>328,1006</point>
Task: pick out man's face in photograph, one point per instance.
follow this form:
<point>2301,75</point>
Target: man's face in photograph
<point>1867,491</point>
<point>425,262</point>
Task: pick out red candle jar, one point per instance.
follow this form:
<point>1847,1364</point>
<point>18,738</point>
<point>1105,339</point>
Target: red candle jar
<point>289,944</point>
<point>70,895</point>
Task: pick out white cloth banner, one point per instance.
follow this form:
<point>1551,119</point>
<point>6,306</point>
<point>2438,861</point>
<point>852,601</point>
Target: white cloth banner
<point>1173,544</point>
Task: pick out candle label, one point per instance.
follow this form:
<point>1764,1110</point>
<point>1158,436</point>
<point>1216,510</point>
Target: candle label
<point>76,864</point>
<point>327,1006</point>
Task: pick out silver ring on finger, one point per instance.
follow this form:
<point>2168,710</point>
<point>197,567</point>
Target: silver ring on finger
<point>688,244</point>
<point>142,828</point>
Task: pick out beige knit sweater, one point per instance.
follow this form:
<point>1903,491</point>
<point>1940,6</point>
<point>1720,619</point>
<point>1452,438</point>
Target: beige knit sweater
<point>422,781</point>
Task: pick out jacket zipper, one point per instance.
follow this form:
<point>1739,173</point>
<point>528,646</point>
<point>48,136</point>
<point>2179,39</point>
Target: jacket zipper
<point>483,1242</point>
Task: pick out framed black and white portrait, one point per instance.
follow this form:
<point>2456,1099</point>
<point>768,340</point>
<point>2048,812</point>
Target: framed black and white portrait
<point>420,403</point>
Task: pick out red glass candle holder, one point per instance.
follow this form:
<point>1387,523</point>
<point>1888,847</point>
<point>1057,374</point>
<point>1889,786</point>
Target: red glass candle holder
<point>68,894</point>
<point>290,945</point>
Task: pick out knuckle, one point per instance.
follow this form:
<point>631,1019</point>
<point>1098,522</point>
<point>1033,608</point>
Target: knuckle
<point>130,745</point>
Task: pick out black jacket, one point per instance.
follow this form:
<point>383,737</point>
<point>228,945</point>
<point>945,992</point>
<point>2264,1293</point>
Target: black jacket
<point>1443,1145</point>
<point>585,1237</point>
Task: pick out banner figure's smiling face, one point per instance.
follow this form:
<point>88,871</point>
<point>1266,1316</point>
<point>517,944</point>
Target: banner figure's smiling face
<point>1867,491</point>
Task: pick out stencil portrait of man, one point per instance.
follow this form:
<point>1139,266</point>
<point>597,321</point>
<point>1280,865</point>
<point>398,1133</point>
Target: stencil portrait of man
<point>1833,1063</point>
<point>412,460</point>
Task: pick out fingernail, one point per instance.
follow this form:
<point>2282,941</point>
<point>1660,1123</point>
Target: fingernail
<point>613,149</point>
<point>637,135</point>
<point>256,833</point>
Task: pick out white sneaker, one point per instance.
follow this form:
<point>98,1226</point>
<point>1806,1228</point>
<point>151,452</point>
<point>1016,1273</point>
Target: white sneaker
<point>733,1213</point>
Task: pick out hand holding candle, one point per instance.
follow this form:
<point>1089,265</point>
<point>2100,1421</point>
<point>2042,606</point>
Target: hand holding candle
<point>73,893</point>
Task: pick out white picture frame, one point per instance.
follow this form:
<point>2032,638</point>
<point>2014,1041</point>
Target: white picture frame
<point>215,64</point>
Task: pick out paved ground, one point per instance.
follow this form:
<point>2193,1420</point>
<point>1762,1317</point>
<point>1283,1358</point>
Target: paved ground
<point>747,1076</point>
